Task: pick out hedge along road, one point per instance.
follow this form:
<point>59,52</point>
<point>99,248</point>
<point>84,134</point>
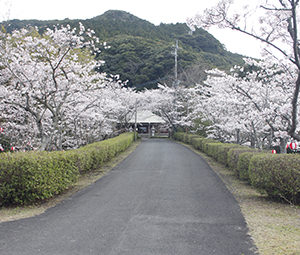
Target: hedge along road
<point>162,199</point>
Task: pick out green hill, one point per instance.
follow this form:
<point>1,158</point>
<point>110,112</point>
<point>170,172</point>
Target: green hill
<point>140,52</point>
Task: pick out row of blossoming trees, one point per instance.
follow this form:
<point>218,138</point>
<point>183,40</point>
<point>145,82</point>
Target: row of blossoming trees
<point>254,108</point>
<point>52,97</point>
<point>260,105</point>
<point>49,92</point>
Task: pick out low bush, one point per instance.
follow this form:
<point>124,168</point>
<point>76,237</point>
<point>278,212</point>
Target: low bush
<point>234,156</point>
<point>92,156</point>
<point>223,150</point>
<point>31,176</point>
<point>196,142</point>
<point>212,149</point>
<point>191,137</point>
<point>185,138</point>
<point>179,136</point>
<point>26,177</point>
<point>277,175</point>
<point>243,164</point>
<point>205,142</point>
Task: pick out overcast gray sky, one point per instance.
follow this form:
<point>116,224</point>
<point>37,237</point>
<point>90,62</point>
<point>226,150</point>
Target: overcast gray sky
<point>155,11</point>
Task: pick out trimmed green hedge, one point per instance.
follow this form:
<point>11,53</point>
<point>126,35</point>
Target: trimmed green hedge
<point>179,136</point>
<point>243,165</point>
<point>212,148</point>
<point>92,156</point>
<point>196,142</point>
<point>26,177</point>
<point>234,157</point>
<point>278,175</point>
<point>223,152</point>
<point>205,143</point>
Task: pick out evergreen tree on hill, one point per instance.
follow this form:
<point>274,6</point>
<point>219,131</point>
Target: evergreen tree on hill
<point>140,52</point>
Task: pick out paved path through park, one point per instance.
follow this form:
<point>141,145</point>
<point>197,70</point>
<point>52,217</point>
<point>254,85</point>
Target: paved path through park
<point>162,199</point>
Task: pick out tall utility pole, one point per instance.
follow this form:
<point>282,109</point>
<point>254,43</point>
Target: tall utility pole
<point>135,121</point>
<point>176,48</point>
<point>176,82</point>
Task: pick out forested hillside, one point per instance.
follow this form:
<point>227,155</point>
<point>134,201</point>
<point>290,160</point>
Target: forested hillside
<point>140,52</point>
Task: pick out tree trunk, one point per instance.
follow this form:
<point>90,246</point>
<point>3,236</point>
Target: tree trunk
<point>44,140</point>
<point>283,142</point>
<point>238,136</point>
<point>292,130</point>
<point>252,141</point>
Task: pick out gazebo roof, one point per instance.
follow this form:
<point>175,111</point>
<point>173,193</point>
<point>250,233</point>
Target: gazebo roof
<point>147,116</point>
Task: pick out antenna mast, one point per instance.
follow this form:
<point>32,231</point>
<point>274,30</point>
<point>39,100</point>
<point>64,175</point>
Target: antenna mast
<point>176,48</point>
<point>175,84</point>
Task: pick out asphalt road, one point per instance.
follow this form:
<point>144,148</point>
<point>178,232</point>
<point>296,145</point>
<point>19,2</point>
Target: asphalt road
<point>162,199</point>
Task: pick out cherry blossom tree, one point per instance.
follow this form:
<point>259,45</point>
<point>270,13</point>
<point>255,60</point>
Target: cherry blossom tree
<point>277,29</point>
<point>51,95</point>
<point>177,106</point>
<point>254,104</point>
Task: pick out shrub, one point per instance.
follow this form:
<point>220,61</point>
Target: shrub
<point>223,150</point>
<point>26,177</point>
<point>212,149</point>
<point>191,137</point>
<point>243,164</point>
<point>92,156</point>
<point>185,138</point>
<point>277,175</point>
<point>178,136</point>
<point>204,144</point>
<point>32,176</point>
<point>196,142</point>
<point>234,155</point>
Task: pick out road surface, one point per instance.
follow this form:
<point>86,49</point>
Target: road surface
<point>162,199</point>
